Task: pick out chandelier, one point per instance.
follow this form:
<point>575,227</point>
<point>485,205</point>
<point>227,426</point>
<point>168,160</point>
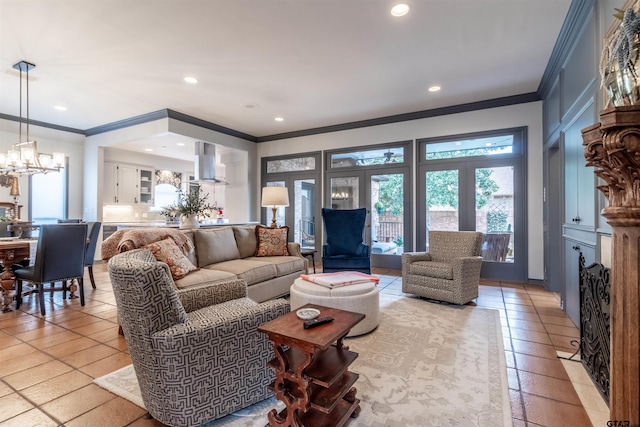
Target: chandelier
<point>23,158</point>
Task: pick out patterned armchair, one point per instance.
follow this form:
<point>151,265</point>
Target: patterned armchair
<point>197,353</point>
<point>449,272</point>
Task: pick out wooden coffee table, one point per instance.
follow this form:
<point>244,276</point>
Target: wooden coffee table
<point>311,373</point>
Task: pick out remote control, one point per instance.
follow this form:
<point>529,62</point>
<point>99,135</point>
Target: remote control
<point>317,322</point>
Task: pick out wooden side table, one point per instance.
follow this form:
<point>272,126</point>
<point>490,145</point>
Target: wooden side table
<point>310,253</point>
<point>311,370</point>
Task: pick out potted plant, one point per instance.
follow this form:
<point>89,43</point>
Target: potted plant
<point>190,207</point>
<point>379,207</point>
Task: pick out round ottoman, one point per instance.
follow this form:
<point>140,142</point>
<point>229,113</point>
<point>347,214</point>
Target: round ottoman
<point>360,298</point>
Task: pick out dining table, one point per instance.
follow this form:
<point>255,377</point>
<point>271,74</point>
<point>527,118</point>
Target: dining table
<point>13,250</point>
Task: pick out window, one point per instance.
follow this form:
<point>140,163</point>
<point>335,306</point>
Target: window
<point>48,197</point>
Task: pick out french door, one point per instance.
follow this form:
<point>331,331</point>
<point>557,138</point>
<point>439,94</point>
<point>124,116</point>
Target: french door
<point>300,174</point>
<point>383,191</point>
<point>476,182</point>
<point>479,195</point>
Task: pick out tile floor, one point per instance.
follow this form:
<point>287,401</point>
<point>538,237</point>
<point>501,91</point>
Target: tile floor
<point>47,365</point>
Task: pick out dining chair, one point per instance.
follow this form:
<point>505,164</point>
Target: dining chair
<point>59,258</point>
<point>93,229</point>
<point>69,221</point>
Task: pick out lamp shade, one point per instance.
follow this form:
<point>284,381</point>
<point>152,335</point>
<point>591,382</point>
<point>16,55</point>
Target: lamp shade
<point>275,196</point>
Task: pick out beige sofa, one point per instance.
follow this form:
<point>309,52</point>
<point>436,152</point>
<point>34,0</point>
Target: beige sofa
<point>224,253</point>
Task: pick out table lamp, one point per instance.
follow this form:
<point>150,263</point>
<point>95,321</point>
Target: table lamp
<point>273,197</point>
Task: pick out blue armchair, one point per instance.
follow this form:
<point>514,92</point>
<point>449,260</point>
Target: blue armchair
<point>344,249</point>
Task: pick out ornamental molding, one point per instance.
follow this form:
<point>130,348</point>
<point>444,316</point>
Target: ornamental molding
<point>612,147</point>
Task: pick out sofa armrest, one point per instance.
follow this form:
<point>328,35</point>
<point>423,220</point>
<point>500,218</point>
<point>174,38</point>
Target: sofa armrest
<point>409,257</point>
<point>206,294</point>
<point>223,323</point>
<point>294,249</point>
<point>467,267</point>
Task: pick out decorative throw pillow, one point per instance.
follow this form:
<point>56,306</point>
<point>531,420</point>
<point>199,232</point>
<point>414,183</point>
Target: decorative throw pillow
<point>168,252</point>
<point>272,241</point>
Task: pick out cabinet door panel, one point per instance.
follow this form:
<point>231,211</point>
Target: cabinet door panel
<point>145,186</point>
<point>110,189</point>
<point>127,184</point>
<point>579,182</point>
<point>572,276</point>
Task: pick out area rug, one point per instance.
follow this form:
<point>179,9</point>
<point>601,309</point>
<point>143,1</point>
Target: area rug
<point>425,365</point>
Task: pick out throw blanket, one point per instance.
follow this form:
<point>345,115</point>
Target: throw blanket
<point>133,238</point>
<point>345,278</point>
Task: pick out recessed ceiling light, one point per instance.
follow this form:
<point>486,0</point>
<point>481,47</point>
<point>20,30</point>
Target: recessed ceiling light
<point>148,149</point>
<point>60,108</point>
<point>180,144</point>
<point>400,9</point>
<point>434,88</point>
<point>191,80</point>
<point>279,119</point>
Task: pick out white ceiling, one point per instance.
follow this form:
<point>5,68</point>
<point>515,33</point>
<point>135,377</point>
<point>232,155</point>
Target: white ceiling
<point>313,62</point>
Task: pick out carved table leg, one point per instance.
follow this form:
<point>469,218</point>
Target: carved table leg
<point>6,279</point>
<point>287,386</point>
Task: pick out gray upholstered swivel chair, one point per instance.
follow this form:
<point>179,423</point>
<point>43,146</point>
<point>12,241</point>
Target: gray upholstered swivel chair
<point>449,272</point>
<point>196,352</point>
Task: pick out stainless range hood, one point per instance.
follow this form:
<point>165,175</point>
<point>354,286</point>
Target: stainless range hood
<point>205,168</point>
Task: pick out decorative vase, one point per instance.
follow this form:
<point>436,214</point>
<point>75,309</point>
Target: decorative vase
<point>189,221</point>
<point>620,70</point>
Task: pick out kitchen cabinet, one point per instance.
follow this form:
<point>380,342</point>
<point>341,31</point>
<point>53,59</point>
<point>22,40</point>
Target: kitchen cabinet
<point>571,295</point>
<point>580,181</point>
<point>145,186</point>
<point>126,184</point>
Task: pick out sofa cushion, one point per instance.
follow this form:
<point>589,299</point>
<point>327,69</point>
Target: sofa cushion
<point>251,271</point>
<point>191,253</point>
<point>216,245</point>
<point>272,241</point>
<point>246,239</point>
<point>284,264</point>
<point>204,275</point>
<point>440,270</point>
<point>168,252</point>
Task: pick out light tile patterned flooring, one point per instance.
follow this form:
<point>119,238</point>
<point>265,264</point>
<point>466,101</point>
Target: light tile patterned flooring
<point>47,365</point>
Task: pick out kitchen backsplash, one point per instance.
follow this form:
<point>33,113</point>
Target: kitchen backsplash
<point>114,213</point>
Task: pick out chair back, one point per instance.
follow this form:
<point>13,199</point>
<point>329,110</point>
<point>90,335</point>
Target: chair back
<point>69,221</point>
<point>447,245</point>
<point>147,303</point>
<point>60,252</point>
<point>93,229</point>
<point>344,229</point>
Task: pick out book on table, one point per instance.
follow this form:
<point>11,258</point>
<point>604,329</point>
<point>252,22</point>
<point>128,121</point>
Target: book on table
<point>342,278</point>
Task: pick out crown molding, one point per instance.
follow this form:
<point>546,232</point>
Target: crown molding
<point>444,111</point>
<point>41,124</point>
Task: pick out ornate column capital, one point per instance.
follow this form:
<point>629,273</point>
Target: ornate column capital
<point>612,147</point>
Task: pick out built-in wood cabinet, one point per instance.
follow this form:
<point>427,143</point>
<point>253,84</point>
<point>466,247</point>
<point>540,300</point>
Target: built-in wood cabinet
<point>571,295</point>
<point>126,184</point>
<point>580,181</point>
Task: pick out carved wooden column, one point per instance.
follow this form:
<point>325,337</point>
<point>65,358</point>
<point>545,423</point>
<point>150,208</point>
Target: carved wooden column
<point>613,148</point>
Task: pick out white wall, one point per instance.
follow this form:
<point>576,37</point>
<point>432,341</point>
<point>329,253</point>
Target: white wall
<point>49,140</point>
<point>529,115</point>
